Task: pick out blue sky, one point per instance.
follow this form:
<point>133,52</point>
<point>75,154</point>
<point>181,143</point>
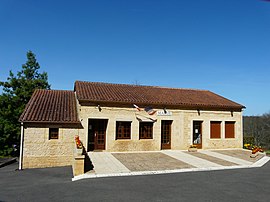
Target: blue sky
<point>219,45</point>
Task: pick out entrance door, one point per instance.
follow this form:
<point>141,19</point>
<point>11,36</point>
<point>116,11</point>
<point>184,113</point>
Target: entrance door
<point>197,134</point>
<point>97,134</point>
<point>166,134</point>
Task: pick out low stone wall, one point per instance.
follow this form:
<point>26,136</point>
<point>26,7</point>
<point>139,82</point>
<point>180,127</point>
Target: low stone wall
<point>78,165</point>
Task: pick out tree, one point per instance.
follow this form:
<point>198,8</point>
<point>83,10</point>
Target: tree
<point>257,130</point>
<point>266,130</point>
<point>17,91</point>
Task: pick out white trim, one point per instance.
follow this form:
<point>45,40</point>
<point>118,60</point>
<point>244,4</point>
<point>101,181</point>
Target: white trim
<point>124,119</point>
<point>99,118</point>
<point>21,147</point>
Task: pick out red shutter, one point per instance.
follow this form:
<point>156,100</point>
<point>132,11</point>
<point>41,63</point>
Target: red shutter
<point>215,131</point>
<point>229,129</point>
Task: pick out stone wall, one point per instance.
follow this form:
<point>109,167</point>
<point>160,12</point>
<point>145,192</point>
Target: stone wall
<point>39,151</point>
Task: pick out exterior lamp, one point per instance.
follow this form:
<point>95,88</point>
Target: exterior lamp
<point>165,110</point>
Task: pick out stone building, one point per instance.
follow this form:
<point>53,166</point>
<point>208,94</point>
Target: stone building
<point>120,117</point>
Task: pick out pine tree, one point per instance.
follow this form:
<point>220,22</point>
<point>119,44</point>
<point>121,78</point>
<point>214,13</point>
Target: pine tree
<point>17,91</point>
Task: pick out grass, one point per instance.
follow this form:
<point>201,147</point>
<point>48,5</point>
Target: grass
<point>5,156</point>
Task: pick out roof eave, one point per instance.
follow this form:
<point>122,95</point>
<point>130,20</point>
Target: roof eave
<point>168,105</point>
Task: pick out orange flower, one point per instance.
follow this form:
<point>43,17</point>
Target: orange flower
<point>78,142</point>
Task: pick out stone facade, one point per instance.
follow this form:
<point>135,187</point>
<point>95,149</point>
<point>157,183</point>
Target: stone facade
<point>206,117</point>
<point>181,134</point>
<point>39,151</point>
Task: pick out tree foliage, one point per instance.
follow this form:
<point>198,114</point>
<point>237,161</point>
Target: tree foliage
<point>258,128</point>
<point>17,91</point>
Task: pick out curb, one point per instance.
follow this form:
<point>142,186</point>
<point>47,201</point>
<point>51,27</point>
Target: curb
<point>8,162</point>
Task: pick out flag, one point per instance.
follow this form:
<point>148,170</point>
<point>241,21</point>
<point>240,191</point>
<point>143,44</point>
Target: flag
<point>138,108</point>
<point>150,110</point>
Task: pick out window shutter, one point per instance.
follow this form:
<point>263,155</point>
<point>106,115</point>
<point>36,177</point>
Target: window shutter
<point>229,129</point>
<point>215,131</point>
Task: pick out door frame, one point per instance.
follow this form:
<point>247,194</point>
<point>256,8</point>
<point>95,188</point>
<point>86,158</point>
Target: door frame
<point>166,146</point>
<point>199,146</point>
<point>95,143</point>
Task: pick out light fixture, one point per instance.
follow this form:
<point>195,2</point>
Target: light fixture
<point>99,108</point>
<point>199,112</point>
<point>165,110</point>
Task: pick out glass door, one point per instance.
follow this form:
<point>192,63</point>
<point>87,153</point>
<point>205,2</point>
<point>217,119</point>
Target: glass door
<point>197,134</point>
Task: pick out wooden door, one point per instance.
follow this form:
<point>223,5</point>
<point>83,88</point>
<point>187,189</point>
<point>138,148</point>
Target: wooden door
<point>166,134</point>
<point>197,134</point>
<point>97,134</point>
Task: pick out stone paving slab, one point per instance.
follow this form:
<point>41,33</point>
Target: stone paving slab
<point>212,159</point>
<point>104,162</point>
<point>226,157</point>
<point>240,154</point>
<point>153,161</point>
<point>190,159</point>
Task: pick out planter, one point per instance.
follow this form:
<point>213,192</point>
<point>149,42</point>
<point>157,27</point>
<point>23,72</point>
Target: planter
<point>192,149</point>
<point>79,151</point>
<point>254,155</point>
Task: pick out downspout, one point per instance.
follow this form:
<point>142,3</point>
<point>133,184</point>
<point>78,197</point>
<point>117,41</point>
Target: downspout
<point>21,147</point>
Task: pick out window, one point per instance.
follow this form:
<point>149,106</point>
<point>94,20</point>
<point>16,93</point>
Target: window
<point>53,133</point>
<point>215,131</point>
<point>123,129</point>
<point>229,129</point>
<point>146,130</point>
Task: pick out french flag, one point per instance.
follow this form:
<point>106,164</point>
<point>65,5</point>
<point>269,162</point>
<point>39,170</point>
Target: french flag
<point>150,110</point>
<point>138,108</point>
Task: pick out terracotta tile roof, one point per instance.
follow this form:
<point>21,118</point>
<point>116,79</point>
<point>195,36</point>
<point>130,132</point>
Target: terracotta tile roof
<point>51,106</point>
<point>151,95</point>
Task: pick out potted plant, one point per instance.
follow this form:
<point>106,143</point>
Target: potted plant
<point>192,148</point>
<point>255,151</point>
<point>78,145</point>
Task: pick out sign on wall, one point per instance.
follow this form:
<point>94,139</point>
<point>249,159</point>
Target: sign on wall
<point>164,113</point>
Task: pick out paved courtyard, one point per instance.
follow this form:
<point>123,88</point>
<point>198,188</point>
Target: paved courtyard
<point>150,161</point>
<point>169,161</point>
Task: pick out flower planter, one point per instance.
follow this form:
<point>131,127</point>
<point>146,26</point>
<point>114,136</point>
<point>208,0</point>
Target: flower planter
<point>254,155</point>
<point>78,146</point>
<point>79,151</point>
<point>192,149</point>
